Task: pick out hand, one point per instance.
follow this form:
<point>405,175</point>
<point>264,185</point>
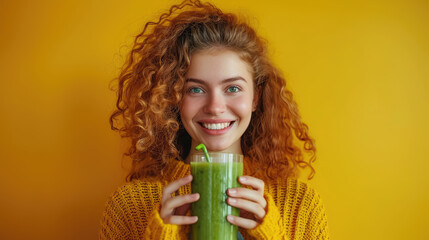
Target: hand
<point>251,202</point>
<point>173,209</point>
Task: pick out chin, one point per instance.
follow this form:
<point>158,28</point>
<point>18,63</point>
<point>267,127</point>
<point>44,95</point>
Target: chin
<point>216,147</point>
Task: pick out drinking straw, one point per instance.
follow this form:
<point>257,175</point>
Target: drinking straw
<point>206,154</point>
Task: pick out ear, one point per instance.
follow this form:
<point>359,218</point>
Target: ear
<point>256,97</point>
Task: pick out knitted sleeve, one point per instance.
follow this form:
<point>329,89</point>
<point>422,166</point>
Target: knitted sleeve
<point>316,226</point>
<point>132,213</point>
<point>272,225</point>
<point>156,229</point>
<point>294,211</point>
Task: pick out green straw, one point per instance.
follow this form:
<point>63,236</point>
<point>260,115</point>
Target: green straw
<point>202,146</point>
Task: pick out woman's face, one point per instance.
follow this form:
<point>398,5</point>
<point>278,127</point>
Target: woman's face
<point>218,101</point>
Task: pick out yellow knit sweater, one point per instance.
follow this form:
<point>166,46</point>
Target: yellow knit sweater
<point>294,210</point>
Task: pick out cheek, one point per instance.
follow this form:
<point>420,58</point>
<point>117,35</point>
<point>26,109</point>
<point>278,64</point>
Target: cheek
<point>187,109</point>
<point>243,107</point>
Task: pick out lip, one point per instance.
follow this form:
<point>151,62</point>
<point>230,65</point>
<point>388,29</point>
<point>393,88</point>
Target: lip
<point>214,131</point>
<point>215,120</point>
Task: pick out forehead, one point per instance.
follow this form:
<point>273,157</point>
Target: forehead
<point>218,64</point>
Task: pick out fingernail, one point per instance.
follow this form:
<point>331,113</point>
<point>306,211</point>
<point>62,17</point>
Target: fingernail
<point>230,218</point>
<point>243,179</point>
<point>232,200</point>
<point>232,191</point>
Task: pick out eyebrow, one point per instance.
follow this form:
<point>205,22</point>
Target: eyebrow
<point>223,81</point>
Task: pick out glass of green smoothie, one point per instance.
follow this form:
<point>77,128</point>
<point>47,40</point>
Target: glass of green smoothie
<point>211,180</point>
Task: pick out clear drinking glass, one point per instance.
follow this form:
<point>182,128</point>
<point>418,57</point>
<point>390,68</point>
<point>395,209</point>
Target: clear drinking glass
<point>211,181</point>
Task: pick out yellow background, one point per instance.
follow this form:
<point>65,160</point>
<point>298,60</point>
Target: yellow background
<point>359,71</point>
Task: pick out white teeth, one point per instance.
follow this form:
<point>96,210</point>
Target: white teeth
<point>216,126</point>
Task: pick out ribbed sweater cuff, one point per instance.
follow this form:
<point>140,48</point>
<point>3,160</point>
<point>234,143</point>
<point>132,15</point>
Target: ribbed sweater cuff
<point>157,229</point>
<point>271,226</point>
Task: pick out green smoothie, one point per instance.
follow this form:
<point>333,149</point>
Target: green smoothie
<point>211,181</point>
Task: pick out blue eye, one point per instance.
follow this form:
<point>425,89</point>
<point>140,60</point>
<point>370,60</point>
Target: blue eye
<point>195,90</point>
<point>233,89</point>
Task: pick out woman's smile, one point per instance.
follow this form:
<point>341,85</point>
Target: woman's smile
<point>216,127</point>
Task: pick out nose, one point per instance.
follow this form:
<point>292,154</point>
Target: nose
<point>215,104</point>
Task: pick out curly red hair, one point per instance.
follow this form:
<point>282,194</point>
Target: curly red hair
<point>150,88</point>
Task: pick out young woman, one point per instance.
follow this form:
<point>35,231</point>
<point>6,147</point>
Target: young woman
<point>199,75</point>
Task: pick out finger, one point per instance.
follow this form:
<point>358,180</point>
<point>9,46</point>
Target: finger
<point>242,222</point>
<point>168,206</point>
<point>255,183</point>
<point>248,194</point>
<point>248,206</point>
<point>174,186</point>
<point>181,220</point>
